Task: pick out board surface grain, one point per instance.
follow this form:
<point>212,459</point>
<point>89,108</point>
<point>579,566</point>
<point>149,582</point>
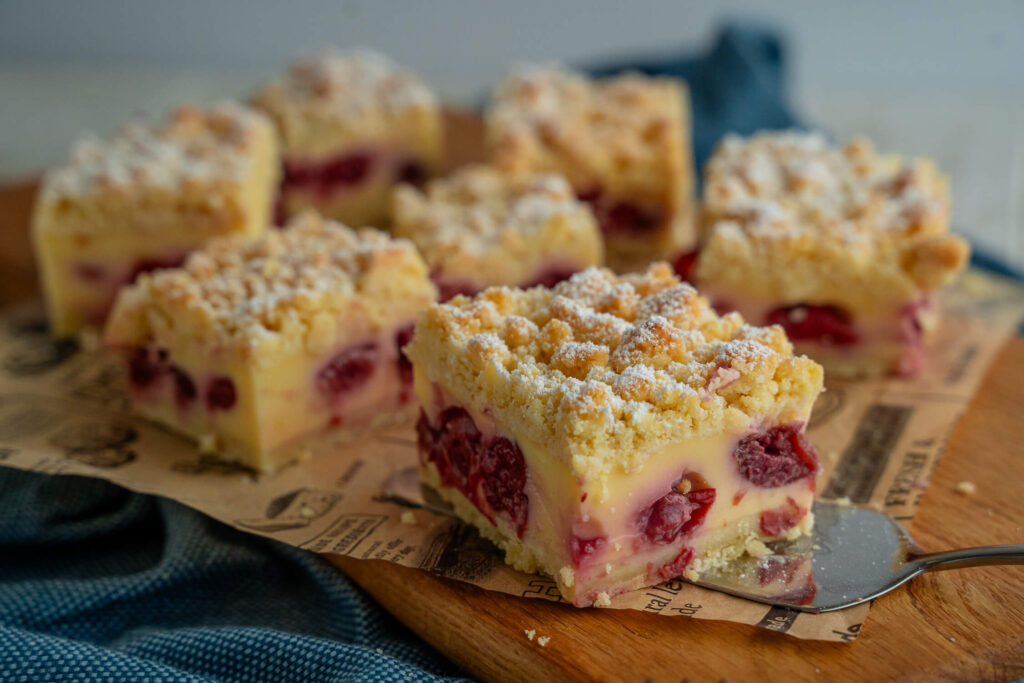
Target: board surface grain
<point>954,625</point>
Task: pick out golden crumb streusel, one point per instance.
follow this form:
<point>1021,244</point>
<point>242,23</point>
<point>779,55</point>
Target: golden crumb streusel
<point>604,370</point>
<point>503,227</point>
<point>342,95</point>
<point>793,218</point>
<point>194,150</point>
<point>292,287</point>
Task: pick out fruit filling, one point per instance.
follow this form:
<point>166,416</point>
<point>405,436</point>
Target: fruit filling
<point>828,325</point>
<point>546,276</point>
<point>488,470</point>
<point>352,170</point>
<point>620,217</point>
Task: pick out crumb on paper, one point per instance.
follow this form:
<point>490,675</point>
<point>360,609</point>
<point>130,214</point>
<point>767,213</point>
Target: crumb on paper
<point>89,339</point>
<point>543,640</point>
<point>530,633</point>
<point>409,518</point>
<point>568,576</point>
<point>965,488</point>
<point>602,600</point>
<point>843,502</point>
<point>307,512</point>
<point>691,575</point>
<point>208,443</point>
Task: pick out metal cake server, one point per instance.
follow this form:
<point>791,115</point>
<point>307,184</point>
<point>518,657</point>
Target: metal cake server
<point>855,554</point>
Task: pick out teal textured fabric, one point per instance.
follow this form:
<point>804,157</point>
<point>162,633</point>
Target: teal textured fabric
<point>101,584</point>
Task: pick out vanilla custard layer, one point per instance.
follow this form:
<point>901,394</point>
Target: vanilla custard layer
<point>562,505</point>
<point>280,412</point>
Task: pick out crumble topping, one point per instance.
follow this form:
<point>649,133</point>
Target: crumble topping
<point>795,219</point>
<point>193,147</point>
<point>479,210</point>
<point>293,286</point>
<point>783,183</point>
<point>356,88</point>
<point>618,366</point>
<point>611,126</point>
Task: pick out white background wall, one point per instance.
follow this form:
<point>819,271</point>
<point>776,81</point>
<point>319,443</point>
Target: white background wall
<point>939,78</point>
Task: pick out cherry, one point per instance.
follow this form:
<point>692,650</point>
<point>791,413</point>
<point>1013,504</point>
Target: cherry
<point>675,514</point>
<point>549,277</point>
<point>350,169</point>
<point>184,387</point>
<point>678,565</point>
<point>776,457</point>
<point>582,548</point>
<point>412,171</point>
<point>685,264</point>
<point>626,217</point>
<point>221,394</point>
<point>348,370</point>
<point>502,473</point>
<point>489,471</point>
<point>827,324</point>
<point>780,520</point>
<point>90,272</point>
<point>142,370</point>
<point>148,264</point>
<point>449,289</point>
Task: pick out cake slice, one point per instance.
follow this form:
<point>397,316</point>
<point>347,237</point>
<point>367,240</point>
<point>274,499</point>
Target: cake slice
<point>623,143</point>
<point>262,350</point>
<point>352,125</point>
<point>614,432</point>
<point>845,248</point>
<point>145,198</point>
<point>480,228</point>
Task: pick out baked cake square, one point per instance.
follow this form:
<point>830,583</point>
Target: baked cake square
<point>145,198</point>
<point>352,124</point>
<point>262,349</point>
<point>845,248</point>
<point>623,143</point>
<point>480,228</point>
<point>614,432</point>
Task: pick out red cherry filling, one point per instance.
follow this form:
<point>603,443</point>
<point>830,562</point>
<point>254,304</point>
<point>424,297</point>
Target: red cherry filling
<point>345,171</point>
<point>827,324</point>
<point>90,272</point>
<point>549,277</point>
<point>449,289</point>
<point>780,520</point>
<point>348,370</point>
<point>676,566</point>
<point>221,394</point>
<point>621,217</point>
<point>628,218</point>
<point>676,513</point>
<point>184,387</point>
<point>489,471</point>
<point>411,171</point>
<point>143,370</point>
<point>582,548</point>
<point>685,264</point>
<point>776,457</point>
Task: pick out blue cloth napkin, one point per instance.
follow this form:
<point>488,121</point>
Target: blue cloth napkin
<point>101,584</point>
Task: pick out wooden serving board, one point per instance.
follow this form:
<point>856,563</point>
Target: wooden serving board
<point>955,625</point>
